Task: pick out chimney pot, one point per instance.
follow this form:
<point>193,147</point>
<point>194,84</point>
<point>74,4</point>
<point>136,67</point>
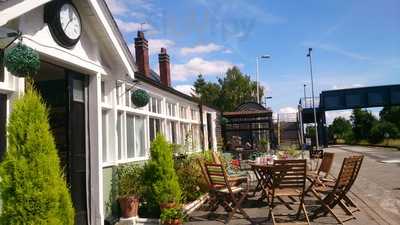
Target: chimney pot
<point>165,68</point>
<point>142,54</point>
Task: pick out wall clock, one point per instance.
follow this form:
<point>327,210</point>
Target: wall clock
<point>64,22</point>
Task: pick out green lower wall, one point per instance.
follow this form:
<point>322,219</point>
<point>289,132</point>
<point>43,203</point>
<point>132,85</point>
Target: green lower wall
<point>110,192</point>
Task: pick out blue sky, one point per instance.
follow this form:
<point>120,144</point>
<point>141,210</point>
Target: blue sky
<point>356,43</point>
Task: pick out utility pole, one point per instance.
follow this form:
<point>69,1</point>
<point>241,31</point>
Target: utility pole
<point>313,99</point>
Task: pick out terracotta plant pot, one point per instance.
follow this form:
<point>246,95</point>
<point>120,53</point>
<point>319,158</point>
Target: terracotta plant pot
<point>169,205</point>
<point>173,222</point>
<point>129,206</point>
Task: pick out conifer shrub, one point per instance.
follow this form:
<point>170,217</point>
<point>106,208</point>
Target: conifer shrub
<point>32,185</point>
<point>160,181</point>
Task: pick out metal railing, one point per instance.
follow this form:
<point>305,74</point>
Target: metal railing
<point>306,103</point>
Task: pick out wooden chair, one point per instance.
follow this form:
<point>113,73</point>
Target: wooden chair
<point>288,179</point>
<point>322,174</point>
<point>216,157</point>
<point>227,195</point>
<point>347,203</point>
<point>331,195</point>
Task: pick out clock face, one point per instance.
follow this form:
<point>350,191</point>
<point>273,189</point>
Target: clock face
<point>70,21</point>
<point>64,22</point>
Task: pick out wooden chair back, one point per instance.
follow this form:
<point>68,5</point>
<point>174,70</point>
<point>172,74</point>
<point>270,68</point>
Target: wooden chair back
<point>359,159</point>
<point>348,173</point>
<point>217,175</point>
<point>295,176</point>
<point>203,171</point>
<point>216,157</point>
<point>326,163</point>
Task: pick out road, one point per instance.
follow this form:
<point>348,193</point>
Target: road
<point>377,189</point>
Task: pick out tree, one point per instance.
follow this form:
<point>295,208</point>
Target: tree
<point>362,121</point>
<point>229,92</point>
<point>340,128</point>
<point>33,188</point>
<point>208,92</point>
<point>391,114</point>
<point>383,130</point>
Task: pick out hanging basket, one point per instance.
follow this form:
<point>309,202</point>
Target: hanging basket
<point>22,60</point>
<point>140,98</point>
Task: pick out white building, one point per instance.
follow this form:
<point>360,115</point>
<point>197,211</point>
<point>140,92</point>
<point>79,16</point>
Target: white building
<point>87,74</point>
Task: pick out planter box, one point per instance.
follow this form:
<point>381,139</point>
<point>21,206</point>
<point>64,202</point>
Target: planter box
<point>187,208</point>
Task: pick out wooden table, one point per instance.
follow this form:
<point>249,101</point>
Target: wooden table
<point>263,175</point>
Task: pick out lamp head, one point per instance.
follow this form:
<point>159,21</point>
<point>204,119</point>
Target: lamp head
<point>265,56</point>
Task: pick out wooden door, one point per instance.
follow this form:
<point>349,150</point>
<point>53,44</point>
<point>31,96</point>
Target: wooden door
<point>77,176</point>
<point>3,121</point>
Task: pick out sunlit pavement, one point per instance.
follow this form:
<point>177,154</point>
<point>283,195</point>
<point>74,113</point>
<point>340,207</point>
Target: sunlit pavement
<point>376,192</point>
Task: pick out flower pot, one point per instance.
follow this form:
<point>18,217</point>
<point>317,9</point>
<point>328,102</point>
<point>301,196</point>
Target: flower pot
<point>168,205</point>
<point>173,222</point>
<point>129,206</point>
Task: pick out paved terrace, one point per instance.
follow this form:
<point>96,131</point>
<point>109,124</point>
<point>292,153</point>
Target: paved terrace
<point>376,192</point>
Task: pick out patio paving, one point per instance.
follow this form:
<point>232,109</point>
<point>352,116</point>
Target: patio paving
<point>363,193</point>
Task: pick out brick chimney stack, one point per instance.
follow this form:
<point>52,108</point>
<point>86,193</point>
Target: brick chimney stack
<point>142,54</point>
<point>165,70</point>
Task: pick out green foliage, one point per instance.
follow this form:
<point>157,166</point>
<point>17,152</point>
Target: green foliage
<point>129,180</point>
<point>362,121</point>
<point>383,130</point>
<point>33,189</point>
<point>190,176</point>
<point>22,60</point>
<point>232,90</point>
<point>140,98</point>
<point>172,214</point>
<point>159,178</point>
<point>340,129</point>
<point>391,114</point>
<point>264,144</point>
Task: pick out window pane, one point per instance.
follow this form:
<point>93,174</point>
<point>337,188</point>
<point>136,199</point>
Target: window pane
<point>139,139</point>
<point>158,105</point>
<point>173,132</point>
<point>127,98</point>
<point>154,105</point>
<point>130,137</point>
<point>151,129</point>
<point>154,127</point>
<point>104,134</point>
<point>119,134</point>
<point>103,92</point>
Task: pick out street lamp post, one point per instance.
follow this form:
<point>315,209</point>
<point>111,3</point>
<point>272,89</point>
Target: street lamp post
<point>313,100</point>
<point>305,97</point>
<point>258,74</point>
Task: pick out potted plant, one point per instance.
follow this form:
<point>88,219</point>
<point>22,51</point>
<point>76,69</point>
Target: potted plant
<point>172,216</point>
<point>161,185</point>
<point>129,189</point>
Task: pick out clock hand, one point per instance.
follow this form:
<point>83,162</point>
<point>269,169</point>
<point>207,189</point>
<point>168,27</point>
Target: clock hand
<point>67,24</point>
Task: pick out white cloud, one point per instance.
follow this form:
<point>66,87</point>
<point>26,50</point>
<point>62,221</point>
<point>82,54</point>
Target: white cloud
<point>155,45</point>
<point>227,51</point>
<point>185,88</point>
<point>287,109</point>
<point>117,7</point>
<point>211,47</point>
<point>331,115</point>
<point>129,27</point>
<point>197,66</point>
<point>346,86</point>
<point>337,50</point>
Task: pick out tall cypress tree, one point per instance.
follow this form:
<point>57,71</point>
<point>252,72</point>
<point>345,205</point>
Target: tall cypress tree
<point>32,185</point>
